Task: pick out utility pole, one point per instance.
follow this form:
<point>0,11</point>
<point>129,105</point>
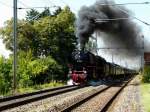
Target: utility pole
<point>96,43</point>
<point>112,57</point>
<point>14,45</point>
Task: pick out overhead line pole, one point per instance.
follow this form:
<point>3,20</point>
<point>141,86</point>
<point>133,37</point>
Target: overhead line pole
<point>14,45</point>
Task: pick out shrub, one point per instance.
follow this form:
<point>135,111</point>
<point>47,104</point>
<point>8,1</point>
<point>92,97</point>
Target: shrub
<point>146,75</point>
<point>30,71</point>
<point>5,75</point>
<point>36,70</point>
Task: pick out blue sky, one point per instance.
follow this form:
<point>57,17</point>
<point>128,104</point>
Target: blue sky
<point>140,11</point>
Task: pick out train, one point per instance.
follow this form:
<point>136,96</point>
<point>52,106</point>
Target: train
<point>86,66</point>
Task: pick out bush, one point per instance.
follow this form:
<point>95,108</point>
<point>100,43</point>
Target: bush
<point>30,71</point>
<point>5,75</point>
<point>146,75</point>
<point>36,70</point>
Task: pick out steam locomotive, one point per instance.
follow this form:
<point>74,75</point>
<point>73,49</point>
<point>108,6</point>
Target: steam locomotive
<point>86,66</point>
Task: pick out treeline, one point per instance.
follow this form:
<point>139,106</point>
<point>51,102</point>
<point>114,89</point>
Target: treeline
<point>44,43</point>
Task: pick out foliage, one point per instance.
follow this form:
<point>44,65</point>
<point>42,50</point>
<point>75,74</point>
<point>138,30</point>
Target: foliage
<point>49,35</point>
<point>32,15</point>
<point>36,70</point>
<point>30,71</point>
<point>146,75</point>
<point>5,75</point>
<point>43,45</point>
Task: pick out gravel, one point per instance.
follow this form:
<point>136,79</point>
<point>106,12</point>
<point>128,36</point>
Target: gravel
<point>129,100</point>
<point>98,102</point>
<point>54,104</point>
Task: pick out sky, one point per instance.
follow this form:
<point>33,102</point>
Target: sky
<point>140,11</point>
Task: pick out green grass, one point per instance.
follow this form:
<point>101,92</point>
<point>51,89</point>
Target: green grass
<point>39,87</point>
<point>145,88</point>
<point>35,88</point>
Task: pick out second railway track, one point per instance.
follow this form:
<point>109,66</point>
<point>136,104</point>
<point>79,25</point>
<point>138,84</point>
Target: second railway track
<point>99,101</point>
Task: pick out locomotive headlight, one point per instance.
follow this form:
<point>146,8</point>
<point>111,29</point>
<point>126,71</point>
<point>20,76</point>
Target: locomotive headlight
<point>85,72</point>
<point>70,72</point>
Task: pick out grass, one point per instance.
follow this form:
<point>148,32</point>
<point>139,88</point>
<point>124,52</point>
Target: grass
<point>35,88</point>
<point>39,87</point>
<point>145,88</point>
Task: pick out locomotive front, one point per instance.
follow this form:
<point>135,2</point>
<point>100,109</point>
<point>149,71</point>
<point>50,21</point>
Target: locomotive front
<point>77,70</point>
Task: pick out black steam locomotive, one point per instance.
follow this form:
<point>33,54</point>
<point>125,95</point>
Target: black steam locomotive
<point>87,66</point>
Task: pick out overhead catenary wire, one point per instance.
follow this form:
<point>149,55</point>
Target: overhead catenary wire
<point>110,19</point>
<point>115,19</point>
<point>37,7</point>
<point>140,3</point>
<point>133,16</point>
<point>119,48</point>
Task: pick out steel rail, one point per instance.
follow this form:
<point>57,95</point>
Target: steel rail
<point>77,104</point>
<point>17,100</point>
<point>108,104</point>
<point>73,106</point>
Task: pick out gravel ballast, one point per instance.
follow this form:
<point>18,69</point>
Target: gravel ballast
<point>54,104</point>
<point>129,99</point>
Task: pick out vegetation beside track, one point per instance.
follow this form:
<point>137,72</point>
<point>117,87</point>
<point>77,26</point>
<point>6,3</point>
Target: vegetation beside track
<point>37,87</point>
<point>145,90</point>
<point>146,75</point>
<point>41,86</point>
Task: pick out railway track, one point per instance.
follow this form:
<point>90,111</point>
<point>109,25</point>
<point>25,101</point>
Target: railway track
<point>17,100</point>
<point>103,103</point>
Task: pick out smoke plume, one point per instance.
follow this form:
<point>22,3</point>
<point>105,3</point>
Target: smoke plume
<point>122,33</point>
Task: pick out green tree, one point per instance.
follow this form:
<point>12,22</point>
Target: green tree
<point>5,75</point>
<point>47,36</point>
<point>32,15</point>
<point>58,10</point>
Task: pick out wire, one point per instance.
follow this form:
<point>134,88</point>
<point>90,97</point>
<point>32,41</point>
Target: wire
<point>133,16</point>
<point>119,48</point>
<point>113,19</point>
<point>142,3</point>
<point>35,7</point>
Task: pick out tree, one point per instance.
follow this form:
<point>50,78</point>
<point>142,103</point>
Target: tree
<point>58,10</point>
<point>32,15</point>
<point>47,36</point>
<point>45,13</point>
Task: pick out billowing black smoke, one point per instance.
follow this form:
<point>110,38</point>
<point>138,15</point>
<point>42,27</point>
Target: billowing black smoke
<point>123,33</point>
